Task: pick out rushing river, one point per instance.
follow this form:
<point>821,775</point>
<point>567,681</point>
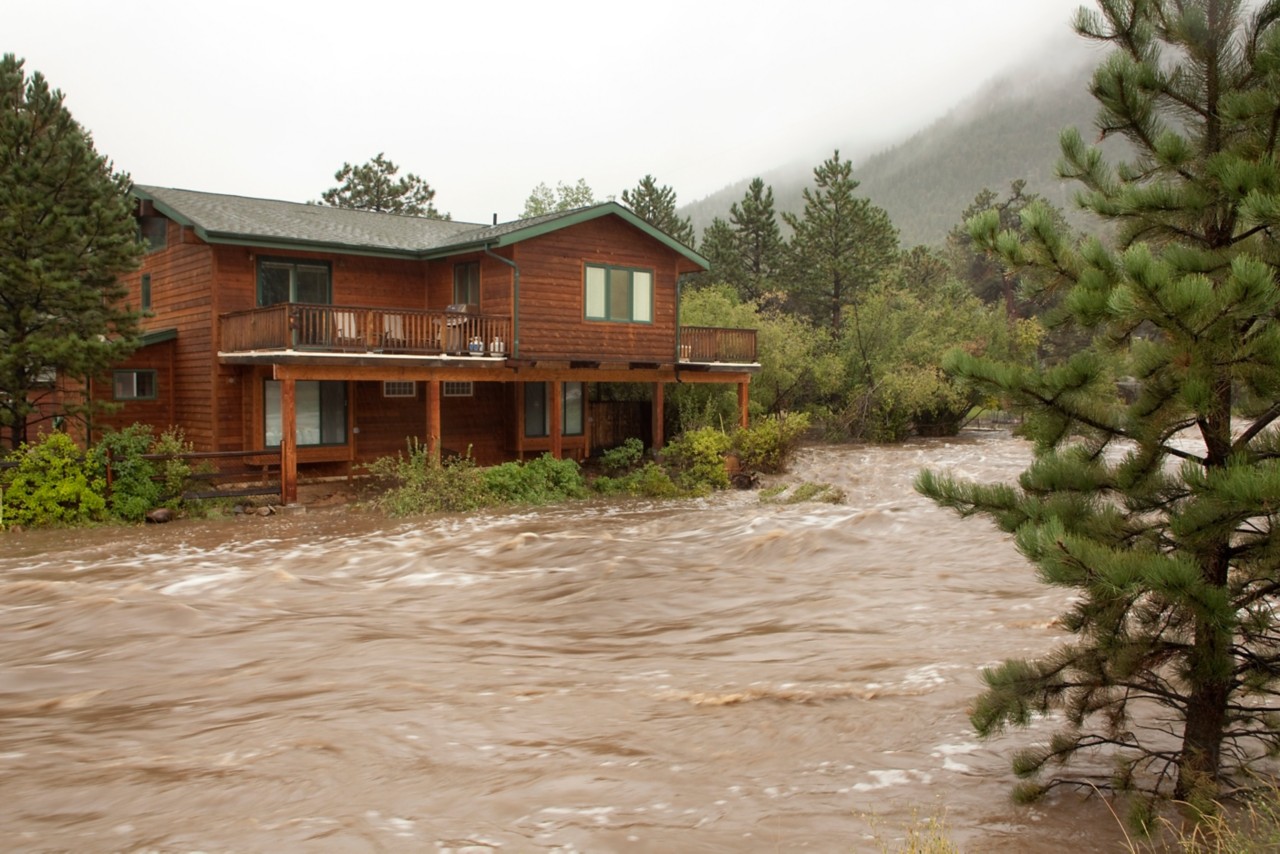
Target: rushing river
<point>715,675</point>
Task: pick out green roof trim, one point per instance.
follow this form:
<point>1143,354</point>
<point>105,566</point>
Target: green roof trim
<point>158,336</point>
<point>514,232</point>
<point>270,224</point>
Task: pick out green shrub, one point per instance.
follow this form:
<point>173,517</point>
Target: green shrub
<point>622,458</point>
<point>543,480</point>
<point>648,481</point>
<point>134,488</point>
<point>175,475</point>
<point>696,460</point>
<point>53,484</point>
<point>421,483</point>
<point>769,444</point>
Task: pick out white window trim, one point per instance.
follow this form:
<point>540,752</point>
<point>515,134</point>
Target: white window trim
<point>395,388</point>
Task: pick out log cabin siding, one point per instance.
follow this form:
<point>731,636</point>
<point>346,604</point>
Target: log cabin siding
<point>181,298</point>
<point>478,424</point>
<point>552,314</point>
<point>160,412</point>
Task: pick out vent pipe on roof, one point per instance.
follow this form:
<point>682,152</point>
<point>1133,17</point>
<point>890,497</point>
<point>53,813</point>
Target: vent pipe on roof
<point>495,219</point>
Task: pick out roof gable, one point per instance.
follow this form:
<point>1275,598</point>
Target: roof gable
<point>218,218</point>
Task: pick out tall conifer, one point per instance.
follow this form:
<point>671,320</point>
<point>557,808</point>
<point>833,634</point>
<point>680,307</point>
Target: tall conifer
<point>657,206</point>
<point>67,235</point>
<point>1158,510</point>
<point>841,246</point>
<point>759,242</point>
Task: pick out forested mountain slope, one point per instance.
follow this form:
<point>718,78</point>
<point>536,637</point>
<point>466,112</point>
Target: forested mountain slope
<point>1009,130</point>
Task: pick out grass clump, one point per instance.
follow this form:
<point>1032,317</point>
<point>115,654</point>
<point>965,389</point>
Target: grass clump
<point>800,493</point>
<point>1251,826</point>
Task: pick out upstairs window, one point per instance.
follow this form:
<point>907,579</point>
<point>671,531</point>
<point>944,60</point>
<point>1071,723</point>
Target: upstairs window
<point>281,280</point>
<point>619,294</point>
<point>466,283</point>
<point>154,231</point>
<point>146,292</point>
<point>133,385</point>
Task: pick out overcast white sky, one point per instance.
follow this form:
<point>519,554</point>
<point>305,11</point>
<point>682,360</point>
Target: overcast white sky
<point>485,100</point>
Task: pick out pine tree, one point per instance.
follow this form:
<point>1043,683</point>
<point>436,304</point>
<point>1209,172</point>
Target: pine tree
<point>986,276</point>
<point>719,246</point>
<point>67,235</point>
<point>565,198</point>
<point>373,186</point>
<point>657,206</point>
<point>841,246</point>
<point>759,241</point>
<point>1158,512</point>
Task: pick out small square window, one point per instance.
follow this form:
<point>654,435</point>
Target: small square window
<point>458,389</point>
<point>134,385</point>
<point>399,389</point>
<point>154,231</point>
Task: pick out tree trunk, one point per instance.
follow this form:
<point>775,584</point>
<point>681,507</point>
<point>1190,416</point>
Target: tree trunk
<point>1206,711</point>
<point>1210,665</point>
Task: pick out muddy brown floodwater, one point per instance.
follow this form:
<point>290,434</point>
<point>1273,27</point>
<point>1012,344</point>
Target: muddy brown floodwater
<point>712,675</point>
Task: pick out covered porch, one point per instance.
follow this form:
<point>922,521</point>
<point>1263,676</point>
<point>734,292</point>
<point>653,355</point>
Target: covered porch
<point>434,374</point>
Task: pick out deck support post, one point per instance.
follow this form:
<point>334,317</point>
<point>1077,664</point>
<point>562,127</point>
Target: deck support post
<point>658,416</point>
<point>557,419</point>
<point>288,443</point>
<point>743,398</point>
<point>433,418</point>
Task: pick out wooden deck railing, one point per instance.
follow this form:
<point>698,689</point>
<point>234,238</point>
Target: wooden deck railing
<point>711,344</point>
<point>358,329</point>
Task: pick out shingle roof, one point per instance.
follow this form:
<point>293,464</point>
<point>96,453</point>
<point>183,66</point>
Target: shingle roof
<point>219,218</point>
<point>222,218</point>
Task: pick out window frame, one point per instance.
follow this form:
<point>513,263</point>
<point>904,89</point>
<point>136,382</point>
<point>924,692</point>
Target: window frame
<point>606,297</point>
<point>135,374</point>
<point>294,264</point>
<point>145,292</point>
<point>321,385</point>
<point>457,388</point>
<point>395,388</point>
<point>466,275</point>
<point>545,409</point>
<point>153,231</point>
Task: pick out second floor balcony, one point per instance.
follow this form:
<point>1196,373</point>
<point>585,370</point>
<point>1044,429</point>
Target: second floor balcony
<point>319,328</point>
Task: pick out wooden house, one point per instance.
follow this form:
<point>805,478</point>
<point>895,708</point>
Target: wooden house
<point>337,335</point>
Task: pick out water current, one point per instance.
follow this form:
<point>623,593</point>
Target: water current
<point>715,675</point>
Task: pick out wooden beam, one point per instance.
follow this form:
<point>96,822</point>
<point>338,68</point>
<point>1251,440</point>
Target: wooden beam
<point>658,403</point>
<point>744,417</point>
<point>557,419</point>
<point>364,373</point>
<point>433,418</point>
<point>288,444</point>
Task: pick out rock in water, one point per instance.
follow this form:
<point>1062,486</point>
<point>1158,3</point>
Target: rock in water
<point>160,515</point>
